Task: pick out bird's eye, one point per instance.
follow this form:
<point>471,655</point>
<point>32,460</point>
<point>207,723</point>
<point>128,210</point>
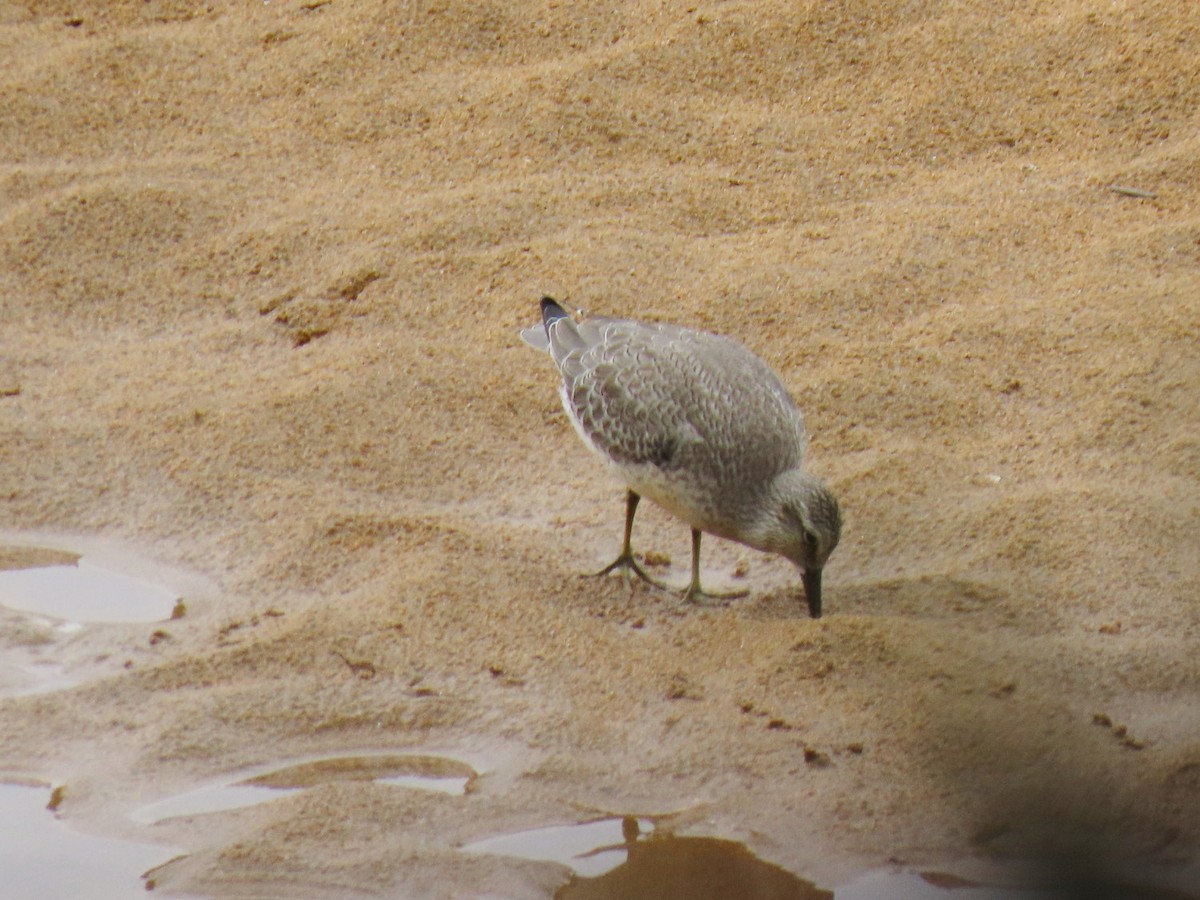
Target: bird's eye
<point>810,543</point>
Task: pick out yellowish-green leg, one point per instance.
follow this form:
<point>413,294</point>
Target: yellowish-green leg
<point>695,593</point>
<point>626,561</point>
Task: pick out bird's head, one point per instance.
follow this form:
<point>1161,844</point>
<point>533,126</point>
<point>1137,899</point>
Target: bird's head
<point>809,528</point>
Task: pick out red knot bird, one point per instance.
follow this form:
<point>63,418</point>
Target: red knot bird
<point>701,426</point>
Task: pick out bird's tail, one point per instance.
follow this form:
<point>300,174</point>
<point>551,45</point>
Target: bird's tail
<point>552,311</point>
<point>538,336</point>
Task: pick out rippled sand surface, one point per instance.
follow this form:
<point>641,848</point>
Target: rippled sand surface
<point>262,268</point>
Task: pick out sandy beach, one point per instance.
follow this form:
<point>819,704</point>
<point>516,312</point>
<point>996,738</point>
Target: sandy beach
<point>262,271</point>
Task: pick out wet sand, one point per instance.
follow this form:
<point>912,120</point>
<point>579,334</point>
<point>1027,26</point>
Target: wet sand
<point>262,268</point>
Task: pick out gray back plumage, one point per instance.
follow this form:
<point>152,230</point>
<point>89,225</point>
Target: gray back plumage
<point>673,398</point>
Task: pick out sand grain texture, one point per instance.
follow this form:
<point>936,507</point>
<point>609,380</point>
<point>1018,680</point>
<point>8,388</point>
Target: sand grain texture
<point>262,266</point>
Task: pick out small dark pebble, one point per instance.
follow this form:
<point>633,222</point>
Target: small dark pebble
<point>816,758</point>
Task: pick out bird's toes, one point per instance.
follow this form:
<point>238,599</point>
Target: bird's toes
<point>699,597</point>
<point>627,564</point>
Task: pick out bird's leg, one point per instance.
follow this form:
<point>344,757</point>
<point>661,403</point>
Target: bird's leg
<point>625,560</point>
<point>695,593</point>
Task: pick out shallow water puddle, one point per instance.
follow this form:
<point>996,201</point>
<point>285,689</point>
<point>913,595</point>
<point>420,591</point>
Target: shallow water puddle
<point>625,858</point>
<point>74,589</point>
<point>423,772</point>
<point>589,848</point>
<point>48,595</point>
<point>41,857</point>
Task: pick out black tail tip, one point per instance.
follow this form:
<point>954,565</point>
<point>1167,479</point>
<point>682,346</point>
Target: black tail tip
<point>552,310</point>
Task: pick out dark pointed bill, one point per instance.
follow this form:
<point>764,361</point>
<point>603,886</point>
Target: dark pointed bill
<point>812,591</point>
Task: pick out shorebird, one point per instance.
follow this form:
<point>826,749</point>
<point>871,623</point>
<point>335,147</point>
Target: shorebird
<point>701,426</point>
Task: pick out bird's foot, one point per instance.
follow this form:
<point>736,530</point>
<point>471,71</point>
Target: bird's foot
<point>700,597</point>
<point>628,564</point>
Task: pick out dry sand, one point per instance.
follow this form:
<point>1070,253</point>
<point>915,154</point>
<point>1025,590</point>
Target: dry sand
<point>262,265</point>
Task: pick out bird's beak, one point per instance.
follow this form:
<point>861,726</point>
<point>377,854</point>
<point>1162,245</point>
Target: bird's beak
<point>812,591</point>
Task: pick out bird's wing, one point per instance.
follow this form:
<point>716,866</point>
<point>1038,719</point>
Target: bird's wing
<point>619,390</point>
